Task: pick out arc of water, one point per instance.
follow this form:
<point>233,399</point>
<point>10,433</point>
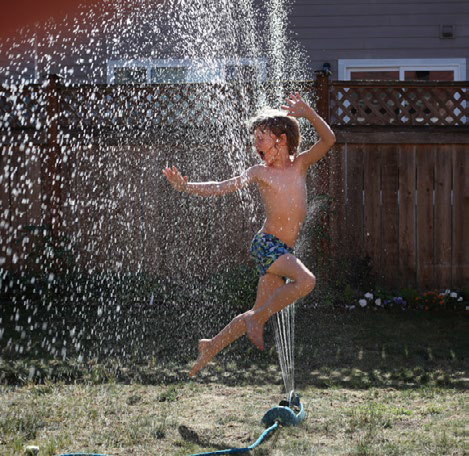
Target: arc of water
<point>284,330</point>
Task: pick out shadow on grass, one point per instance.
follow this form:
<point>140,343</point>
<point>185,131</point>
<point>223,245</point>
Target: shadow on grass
<point>191,436</point>
<point>149,345</point>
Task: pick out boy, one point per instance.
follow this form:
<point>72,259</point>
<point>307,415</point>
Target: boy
<point>282,184</point>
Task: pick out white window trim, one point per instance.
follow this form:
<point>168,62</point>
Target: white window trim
<point>458,66</point>
<point>216,67</point>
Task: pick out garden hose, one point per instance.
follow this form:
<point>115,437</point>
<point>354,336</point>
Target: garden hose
<point>231,450</point>
<point>243,450</point>
<point>284,415</point>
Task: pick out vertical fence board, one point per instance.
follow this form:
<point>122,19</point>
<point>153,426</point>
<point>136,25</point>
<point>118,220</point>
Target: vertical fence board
<point>425,156</point>
<point>354,198</point>
<point>32,200</point>
<point>19,207</point>
<point>407,219</point>
<point>102,224</point>
<point>34,187</point>
<point>5,211</point>
<point>322,246</point>
<point>461,216</point>
<point>372,207</point>
<point>131,242</point>
<point>390,213</point>
<point>153,217</point>
<point>337,193</point>
<point>443,215</point>
<point>70,219</point>
<point>82,196</point>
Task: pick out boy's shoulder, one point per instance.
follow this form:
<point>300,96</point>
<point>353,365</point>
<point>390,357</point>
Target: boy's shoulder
<point>256,170</point>
<point>257,173</point>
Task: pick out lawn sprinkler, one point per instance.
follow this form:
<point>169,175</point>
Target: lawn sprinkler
<point>289,412</point>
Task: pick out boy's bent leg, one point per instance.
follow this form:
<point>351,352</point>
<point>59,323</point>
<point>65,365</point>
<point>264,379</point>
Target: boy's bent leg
<point>303,282</point>
<point>267,285</point>
<point>209,348</point>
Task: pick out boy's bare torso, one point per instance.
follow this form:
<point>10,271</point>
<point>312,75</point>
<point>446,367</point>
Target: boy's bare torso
<point>283,192</point>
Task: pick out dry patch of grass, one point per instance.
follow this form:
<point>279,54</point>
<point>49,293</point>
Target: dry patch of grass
<point>191,417</point>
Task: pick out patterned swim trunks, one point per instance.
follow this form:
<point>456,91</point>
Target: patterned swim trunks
<point>265,249</point>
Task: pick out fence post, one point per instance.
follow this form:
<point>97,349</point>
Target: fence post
<point>51,176</point>
<point>322,89</point>
<point>321,85</point>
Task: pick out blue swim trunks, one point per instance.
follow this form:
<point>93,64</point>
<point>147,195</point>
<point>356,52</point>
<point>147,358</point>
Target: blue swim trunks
<point>265,249</point>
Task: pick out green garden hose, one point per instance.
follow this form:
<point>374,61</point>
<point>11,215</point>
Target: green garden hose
<point>243,450</point>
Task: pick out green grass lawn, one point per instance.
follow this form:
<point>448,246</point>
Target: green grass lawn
<point>373,383</point>
<point>191,417</point>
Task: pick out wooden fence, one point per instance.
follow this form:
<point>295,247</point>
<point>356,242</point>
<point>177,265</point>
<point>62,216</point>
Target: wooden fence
<point>396,177</point>
<point>405,206</point>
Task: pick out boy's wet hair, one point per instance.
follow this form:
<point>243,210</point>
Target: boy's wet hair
<point>278,123</point>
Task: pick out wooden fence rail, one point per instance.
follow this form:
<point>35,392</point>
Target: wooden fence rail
<point>397,175</point>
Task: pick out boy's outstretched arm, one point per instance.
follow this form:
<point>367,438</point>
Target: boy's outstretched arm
<point>297,107</point>
<point>180,183</point>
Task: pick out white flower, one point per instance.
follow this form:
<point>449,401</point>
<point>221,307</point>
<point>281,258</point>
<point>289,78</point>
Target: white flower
<point>369,295</point>
<point>447,292</point>
<point>362,302</point>
<point>460,299</point>
<point>453,295</point>
<point>378,302</point>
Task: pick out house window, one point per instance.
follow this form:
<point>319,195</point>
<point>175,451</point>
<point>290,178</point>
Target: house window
<point>394,75</point>
<point>374,75</point>
<point>240,72</point>
<point>130,75</point>
<point>429,75</point>
<point>179,71</point>
<point>402,69</point>
<point>168,75</point>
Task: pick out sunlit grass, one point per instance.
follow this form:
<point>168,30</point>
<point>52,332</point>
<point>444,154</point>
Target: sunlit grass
<point>371,383</point>
<point>190,417</point>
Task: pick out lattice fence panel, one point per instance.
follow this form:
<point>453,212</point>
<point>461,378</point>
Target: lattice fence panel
<point>371,105</point>
<point>145,107</point>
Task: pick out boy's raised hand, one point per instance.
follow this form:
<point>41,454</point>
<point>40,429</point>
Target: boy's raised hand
<point>177,181</point>
<point>296,106</point>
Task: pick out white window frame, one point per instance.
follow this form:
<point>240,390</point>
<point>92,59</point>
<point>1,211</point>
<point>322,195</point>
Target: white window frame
<point>458,66</point>
<point>212,73</point>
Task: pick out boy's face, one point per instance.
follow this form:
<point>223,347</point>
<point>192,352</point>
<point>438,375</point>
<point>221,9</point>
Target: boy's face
<point>264,142</point>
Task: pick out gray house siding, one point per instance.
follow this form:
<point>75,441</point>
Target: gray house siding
<point>79,48</point>
<point>379,29</point>
<point>328,30</point>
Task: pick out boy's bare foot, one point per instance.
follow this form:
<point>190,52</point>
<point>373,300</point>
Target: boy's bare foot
<point>254,329</point>
<point>204,356</point>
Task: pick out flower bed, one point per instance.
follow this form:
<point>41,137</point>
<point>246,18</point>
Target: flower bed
<point>407,299</point>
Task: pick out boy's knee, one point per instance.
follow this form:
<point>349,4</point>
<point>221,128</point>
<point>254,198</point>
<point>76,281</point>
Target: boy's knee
<point>308,283</point>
